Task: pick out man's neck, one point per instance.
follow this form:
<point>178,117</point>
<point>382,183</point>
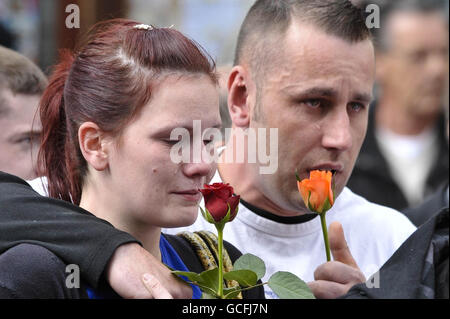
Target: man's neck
<point>400,121</point>
<point>239,176</point>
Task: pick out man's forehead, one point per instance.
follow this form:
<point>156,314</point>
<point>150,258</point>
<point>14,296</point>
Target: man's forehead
<point>20,113</point>
<point>4,108</point>
<point>309,52</point>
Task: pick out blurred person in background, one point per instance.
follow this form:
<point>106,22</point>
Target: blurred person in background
<point>405,153</point>
<point>21,86</point>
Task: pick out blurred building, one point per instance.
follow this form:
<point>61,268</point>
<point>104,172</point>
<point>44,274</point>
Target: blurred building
<point>37,28</point>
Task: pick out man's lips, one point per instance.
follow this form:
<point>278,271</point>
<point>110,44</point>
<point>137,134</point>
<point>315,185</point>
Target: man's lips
<point>334,168</point>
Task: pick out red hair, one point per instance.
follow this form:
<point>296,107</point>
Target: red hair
<point>106,81</point>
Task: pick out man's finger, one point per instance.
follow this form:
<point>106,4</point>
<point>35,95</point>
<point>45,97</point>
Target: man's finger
<point>339,272</point>
<point>323,289</point>
<point>156,290</point>
<point>338,245</point>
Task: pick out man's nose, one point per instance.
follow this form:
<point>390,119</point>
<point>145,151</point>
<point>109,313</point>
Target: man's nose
<point>337,134</point>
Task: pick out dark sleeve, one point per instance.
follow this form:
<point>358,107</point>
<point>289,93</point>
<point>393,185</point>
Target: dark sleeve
<point>417,269</point>
<point>73,234</point>
<point>33,272</point>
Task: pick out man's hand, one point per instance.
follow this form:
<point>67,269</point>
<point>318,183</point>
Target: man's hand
<point>154,287</point>
<point>335,278</point>
<point>126,270</point>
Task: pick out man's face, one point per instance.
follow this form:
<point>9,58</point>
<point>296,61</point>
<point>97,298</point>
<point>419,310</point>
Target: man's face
<point>317,96</point>
<point>415,66</point>
<point>19,136</point>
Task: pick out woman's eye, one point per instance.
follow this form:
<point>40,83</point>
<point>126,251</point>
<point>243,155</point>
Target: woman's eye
<point>207,142</point>
<point>171,142</point>
<point>25,140</point>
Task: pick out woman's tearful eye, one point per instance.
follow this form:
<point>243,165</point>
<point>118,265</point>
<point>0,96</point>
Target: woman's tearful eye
<point>207,142</point>
<point>170,141</point>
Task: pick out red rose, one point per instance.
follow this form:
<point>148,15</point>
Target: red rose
<point>217,198</point>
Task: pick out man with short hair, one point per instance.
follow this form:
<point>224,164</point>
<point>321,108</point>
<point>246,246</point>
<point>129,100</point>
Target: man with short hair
<point>309,73</point>
<point>21,86</point>
<point>306,68</point>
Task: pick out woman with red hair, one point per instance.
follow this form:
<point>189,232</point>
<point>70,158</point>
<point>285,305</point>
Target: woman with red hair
<point>107,117</point>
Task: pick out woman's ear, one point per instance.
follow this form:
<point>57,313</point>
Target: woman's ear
<point>93,148</point>
<point>238,96</point>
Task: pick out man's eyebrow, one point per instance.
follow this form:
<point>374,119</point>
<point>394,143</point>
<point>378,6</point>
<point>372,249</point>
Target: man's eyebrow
<point>363,97</point>
<point>314,91</point>
<point>331,92</point>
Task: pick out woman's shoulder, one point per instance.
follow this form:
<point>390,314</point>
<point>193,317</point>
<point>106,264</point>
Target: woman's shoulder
<point>32,271</point>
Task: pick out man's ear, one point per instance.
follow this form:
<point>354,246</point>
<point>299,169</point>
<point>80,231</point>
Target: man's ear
<point>238,96</point>
<point>92,145</point>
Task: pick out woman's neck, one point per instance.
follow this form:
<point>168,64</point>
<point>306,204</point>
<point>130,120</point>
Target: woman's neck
<point>102,206</point>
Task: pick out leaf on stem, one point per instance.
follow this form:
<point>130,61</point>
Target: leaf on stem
<point>288,286</point>
<point>244,277</point>
<point>252,262</point>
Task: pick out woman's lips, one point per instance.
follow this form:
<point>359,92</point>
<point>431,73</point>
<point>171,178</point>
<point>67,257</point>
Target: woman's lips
<point>190,195</point>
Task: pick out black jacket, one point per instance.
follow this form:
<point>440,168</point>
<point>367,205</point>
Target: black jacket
<point>60,234</point>
<point>371,177</point>
<point>418,269</point>
<point>434,203</point>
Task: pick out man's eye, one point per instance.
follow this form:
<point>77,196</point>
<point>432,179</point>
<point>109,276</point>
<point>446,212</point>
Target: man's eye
<point>313,103</point>
<point>356,107</point>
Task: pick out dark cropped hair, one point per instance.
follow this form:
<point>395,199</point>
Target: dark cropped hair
<point>268,20</point>
<point>106,80</point>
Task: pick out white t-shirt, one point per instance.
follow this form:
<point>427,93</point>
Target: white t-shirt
<point>373,234</point>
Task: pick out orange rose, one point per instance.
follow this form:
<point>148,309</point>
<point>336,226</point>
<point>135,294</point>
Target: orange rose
<point>316,191</point>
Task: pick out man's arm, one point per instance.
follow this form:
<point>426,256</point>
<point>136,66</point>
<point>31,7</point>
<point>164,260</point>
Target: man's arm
<point>80,238</point>
<point>70,232</point>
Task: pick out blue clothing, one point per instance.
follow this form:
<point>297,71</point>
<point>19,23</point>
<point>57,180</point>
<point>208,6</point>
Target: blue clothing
<point>169,257</point>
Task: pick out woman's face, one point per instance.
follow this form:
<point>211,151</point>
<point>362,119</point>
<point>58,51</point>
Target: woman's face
<point>145,183</point>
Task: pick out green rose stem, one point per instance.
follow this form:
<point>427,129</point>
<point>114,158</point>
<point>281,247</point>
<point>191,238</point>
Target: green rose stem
<point>220,248</point>
<point>325,235</point>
